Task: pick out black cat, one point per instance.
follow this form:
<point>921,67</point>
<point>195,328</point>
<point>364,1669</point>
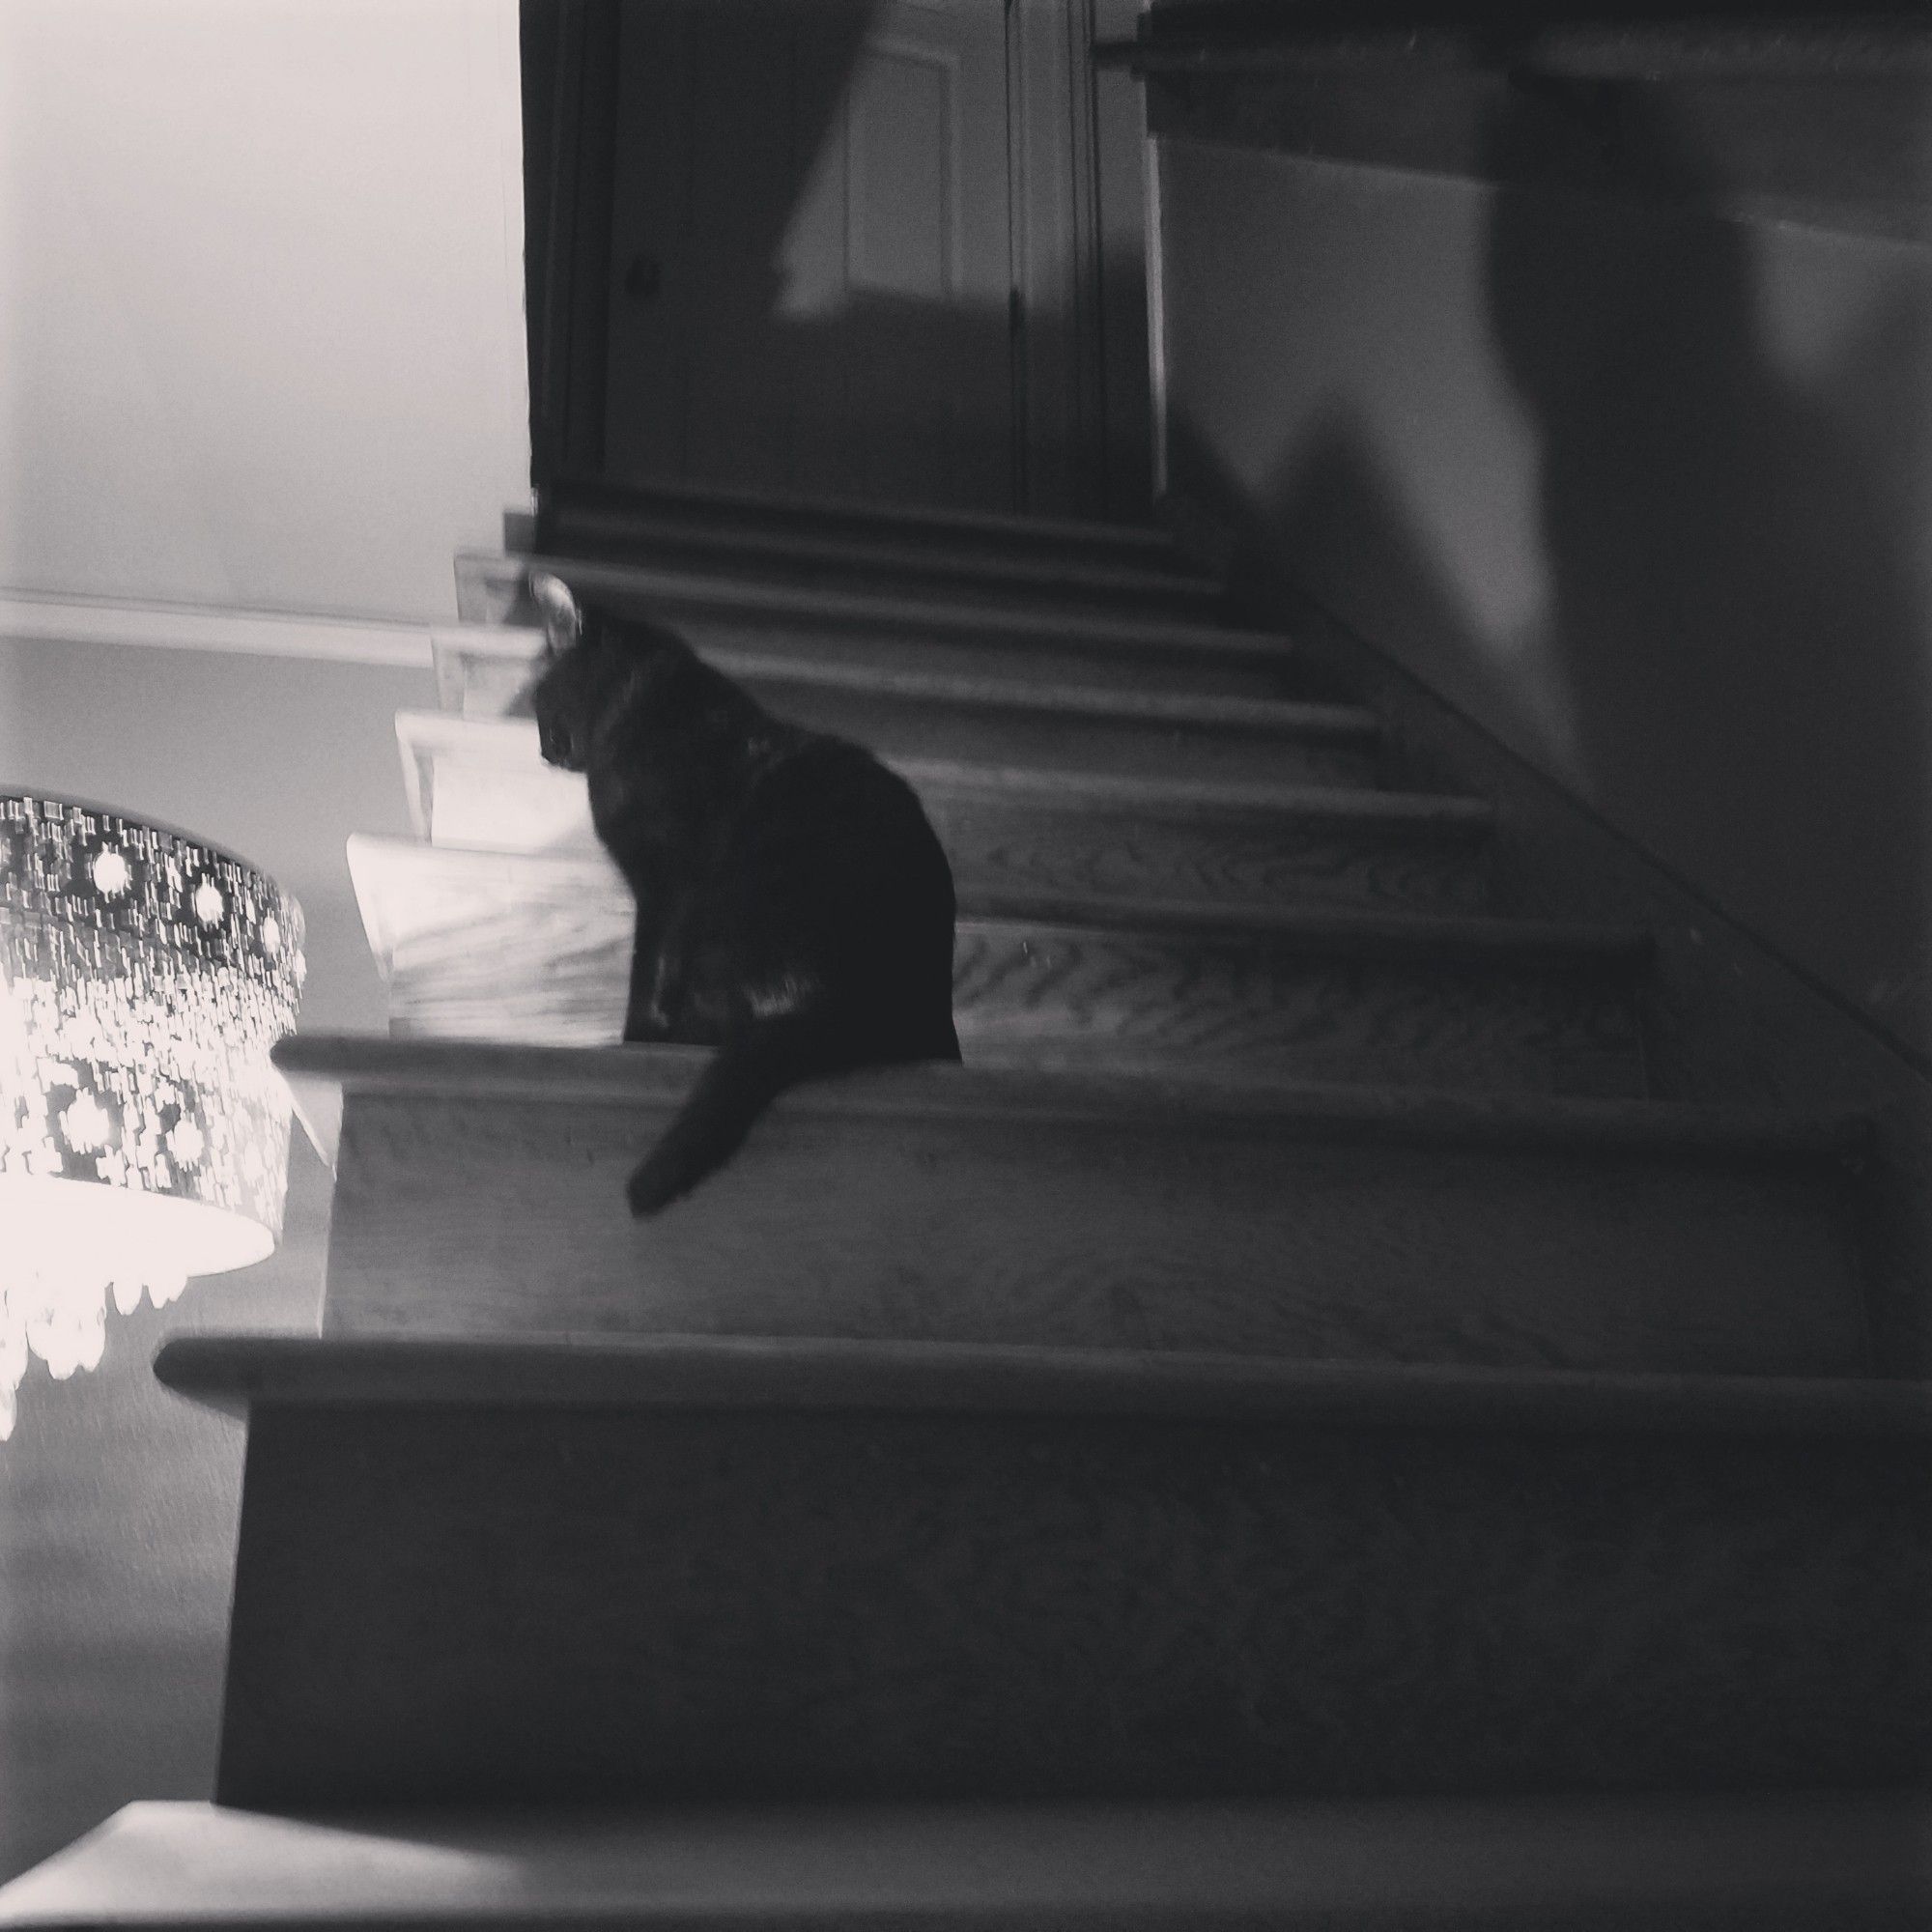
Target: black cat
<point>794,907</point>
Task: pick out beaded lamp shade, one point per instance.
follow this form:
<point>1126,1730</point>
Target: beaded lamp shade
<point>144,1136</point>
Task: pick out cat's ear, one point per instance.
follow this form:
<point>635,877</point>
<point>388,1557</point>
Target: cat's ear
<point>562,620</point>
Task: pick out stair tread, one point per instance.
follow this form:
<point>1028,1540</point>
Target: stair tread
<point>788,1373</point>
<point>1462,936</point>
<point>1204,710</point>
<point>1458,936</point>
<point>514,739</point>
<point>1163,796</point>
<point>784,507</point>
<point>873,610</point>
<point>1306,1864</point>
<point>321,1065</point>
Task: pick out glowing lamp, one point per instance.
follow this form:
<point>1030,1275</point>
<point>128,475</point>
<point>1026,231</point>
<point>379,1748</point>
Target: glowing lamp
<point>144,1136</point>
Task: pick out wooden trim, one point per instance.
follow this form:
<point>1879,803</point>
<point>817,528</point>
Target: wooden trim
<point>570,118</point>
<point>190,627</point>
<point>1156,302</point>
<point>746,1372</point>
<point>1120,151</point>
<point>659,1076</point>
<point>1053,311</point>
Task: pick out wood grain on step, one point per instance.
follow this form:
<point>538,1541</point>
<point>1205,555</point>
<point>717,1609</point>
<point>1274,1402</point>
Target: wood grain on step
<point>1211,1101</point>
<point>475,945</point>
<point>1035,992</point>
<point>479,783</point>
<point>1115,855</point>
<point>481,1214</point>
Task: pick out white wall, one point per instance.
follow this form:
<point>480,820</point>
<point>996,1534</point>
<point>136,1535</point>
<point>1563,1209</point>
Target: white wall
<point>261,298</point>
<point>261,348</point>
<point>117,1500</point>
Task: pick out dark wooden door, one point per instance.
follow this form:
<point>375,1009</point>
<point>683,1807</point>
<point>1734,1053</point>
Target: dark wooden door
<point>811,250</point>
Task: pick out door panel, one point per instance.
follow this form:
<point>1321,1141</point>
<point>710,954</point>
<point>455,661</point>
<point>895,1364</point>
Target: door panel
<point>812,252</point>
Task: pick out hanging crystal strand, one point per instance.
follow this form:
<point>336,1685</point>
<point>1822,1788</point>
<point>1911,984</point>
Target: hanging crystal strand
<point>144,1133</point>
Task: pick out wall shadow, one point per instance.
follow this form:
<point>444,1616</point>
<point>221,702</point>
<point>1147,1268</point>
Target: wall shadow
<point>1732,614</point>
<point>1731,663</point>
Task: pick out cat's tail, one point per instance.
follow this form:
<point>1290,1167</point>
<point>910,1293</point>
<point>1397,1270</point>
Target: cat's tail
<point>745,1075</point>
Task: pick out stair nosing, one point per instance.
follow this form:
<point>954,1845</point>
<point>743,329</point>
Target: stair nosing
<point>763,1373</point>
<point>684,591</point>
<point>1134,1097</point>
<point>1625,1857</point>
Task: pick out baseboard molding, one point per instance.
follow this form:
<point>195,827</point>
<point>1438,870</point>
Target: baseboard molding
<point>1728,1018</point>
<point>190,627</point>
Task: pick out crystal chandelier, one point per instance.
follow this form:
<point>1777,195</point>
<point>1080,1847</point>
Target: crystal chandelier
<point>144,1135</point>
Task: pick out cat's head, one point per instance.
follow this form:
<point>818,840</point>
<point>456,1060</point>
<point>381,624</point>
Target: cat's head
<point>604,679</point>
<point>582,674</point>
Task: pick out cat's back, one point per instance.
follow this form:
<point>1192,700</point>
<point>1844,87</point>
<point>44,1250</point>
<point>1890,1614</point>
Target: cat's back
<point>830,857</point>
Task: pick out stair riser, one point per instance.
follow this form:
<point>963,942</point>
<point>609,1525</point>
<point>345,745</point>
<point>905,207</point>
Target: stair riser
<point>485,958</point>
<point>1116,854</point>
<point>1132,644</point>
<point>1085,588</point>
<point>989,538</point>
<point>489,682</point>
<point>475,1604</point>
<point>1049,995</point>
<point>1024,662</point>
<point>846,1216</point>
<point>1038,843</point>
<point>911,727</point>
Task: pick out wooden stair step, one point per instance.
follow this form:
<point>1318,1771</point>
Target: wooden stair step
<point>695,1571</point>
<point>511,946</point>
<point>1683,1863</point>
<point>719,610</point>
<point>988,536</point>
<point>1411,1001</point>
<point>481,783</point>
<point>609,524</point>
<point>986,719</point>
<point>1106,838</point>
<point>480,1190</point>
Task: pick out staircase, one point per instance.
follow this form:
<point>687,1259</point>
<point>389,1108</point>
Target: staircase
<point>1289,1433</point>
